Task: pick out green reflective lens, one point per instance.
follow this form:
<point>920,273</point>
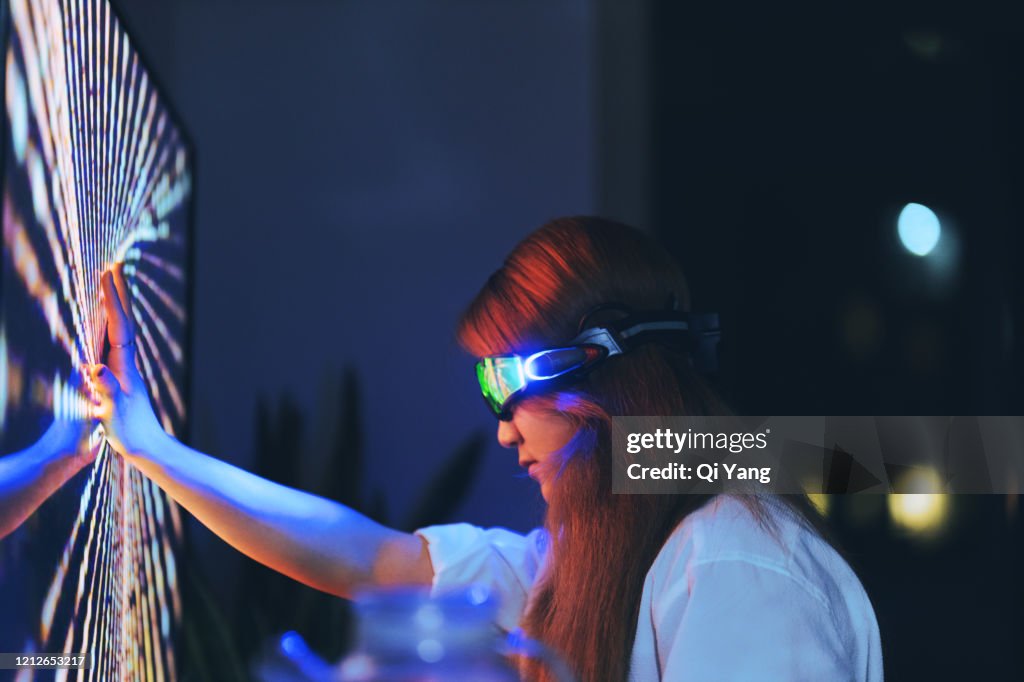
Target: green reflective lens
<point>499,378</point>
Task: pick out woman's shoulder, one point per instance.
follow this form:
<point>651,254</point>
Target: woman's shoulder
<point>727,526</point>
<point>762,532</point>
<point>754,573</point>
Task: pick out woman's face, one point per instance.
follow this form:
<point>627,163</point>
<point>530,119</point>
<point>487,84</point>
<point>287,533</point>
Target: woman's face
<point>539,433</point>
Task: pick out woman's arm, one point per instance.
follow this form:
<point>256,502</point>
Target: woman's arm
<point>29,477</point>
<point>311,539</point>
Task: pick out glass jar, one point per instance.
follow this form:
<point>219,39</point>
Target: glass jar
<point>407,636</point>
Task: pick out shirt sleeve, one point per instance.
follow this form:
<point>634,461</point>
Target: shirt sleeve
<point>504,563</point>
<point>737,619</point>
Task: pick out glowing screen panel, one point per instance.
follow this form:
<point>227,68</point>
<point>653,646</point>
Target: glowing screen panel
<point>95,171</point>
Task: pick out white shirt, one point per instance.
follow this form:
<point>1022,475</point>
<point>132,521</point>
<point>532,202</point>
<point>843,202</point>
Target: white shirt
<point>725,599</point>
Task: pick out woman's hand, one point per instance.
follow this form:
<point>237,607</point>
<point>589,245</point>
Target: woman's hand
<point>120,397</point>
<point>68,439</point>
<point>28,478</point>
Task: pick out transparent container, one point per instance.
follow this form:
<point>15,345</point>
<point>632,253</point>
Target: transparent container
<point>408,636</point>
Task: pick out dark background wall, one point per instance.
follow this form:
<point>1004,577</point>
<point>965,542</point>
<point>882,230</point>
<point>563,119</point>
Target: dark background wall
<point>362,167</point>
<point>788,139</point>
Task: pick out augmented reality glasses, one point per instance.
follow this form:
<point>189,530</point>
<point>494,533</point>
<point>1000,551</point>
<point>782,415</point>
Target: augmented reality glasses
<point>505,379</point>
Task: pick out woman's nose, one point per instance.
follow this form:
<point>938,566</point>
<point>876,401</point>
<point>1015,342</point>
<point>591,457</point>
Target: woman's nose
<point>508,434</point>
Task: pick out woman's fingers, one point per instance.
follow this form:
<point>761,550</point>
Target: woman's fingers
<point>119,325</point>
<point>104,383</point>
<point>104,379</point>
<point>123,294</point>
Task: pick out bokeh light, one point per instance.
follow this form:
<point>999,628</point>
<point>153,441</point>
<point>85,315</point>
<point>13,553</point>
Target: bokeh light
<point>919,229</point>
<point>923,513</point>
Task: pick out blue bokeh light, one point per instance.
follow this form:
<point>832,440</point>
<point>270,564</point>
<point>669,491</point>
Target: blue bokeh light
<point>919,229</point>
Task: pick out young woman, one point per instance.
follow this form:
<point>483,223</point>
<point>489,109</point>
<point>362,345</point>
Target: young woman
<point>638,587</point>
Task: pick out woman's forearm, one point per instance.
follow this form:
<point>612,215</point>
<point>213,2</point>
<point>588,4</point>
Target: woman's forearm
<point>311,539</point>
<point>28,478</point>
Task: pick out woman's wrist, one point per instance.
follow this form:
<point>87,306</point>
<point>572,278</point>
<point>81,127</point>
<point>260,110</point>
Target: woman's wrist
<point>151,445</point>
<point>63,440</point>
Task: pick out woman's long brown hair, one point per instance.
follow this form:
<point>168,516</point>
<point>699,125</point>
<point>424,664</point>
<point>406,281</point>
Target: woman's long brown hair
<point>587,601</point>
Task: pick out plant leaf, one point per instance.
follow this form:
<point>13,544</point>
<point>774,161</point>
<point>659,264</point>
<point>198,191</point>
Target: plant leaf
<point>448,488</point>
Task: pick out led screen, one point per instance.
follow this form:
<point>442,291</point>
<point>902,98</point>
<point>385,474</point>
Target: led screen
<point>95,170</point>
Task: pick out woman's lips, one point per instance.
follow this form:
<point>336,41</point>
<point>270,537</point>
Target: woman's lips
<point>534,471</point>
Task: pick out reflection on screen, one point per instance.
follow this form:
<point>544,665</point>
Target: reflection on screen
<point>95,171</point>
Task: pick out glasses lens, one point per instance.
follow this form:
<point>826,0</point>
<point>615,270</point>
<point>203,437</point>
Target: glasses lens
<point>499,378</point>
